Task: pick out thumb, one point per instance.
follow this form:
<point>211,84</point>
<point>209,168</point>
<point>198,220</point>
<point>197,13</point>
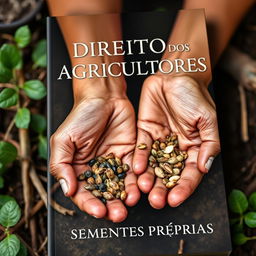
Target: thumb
<point>210,146</point>
<point>62,151</point>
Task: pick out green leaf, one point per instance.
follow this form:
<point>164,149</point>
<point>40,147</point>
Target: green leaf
<point>10,56</point>
<point>38,123</point>
<point>237,201</point>
<point>4,199</point>
<point>2,169</point>
<point>8,98</point>
<point>239,239</point>
<point>250,219</point>
<point>22,36</point>
<point>252,201</point>
<point>10,246</point>
<point>8,152</point>
<point>23,250</point>
<point>34,89</point>
<point>10,214</point>
<point>1,182</point>
<point>39,54</point>
<point>5,74</point>
<point>22,118</point>
<point>42,147</point>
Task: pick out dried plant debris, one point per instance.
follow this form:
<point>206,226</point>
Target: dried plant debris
<point>167,160</point>
<point>105,178</point>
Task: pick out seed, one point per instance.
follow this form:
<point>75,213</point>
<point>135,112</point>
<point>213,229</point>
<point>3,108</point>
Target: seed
<point>176,171</point>
<point>114,185</point>
<point>142,146</point>
<point>162,145</point>
<point>91,180</point>
<point>174,137</point>
<point>180,158</point>
<point>118,161</point>
<point>118,194</point>
<point>121,187</point>
<point>170,184</point>
<point>121,175</point>
<point>166,155</point>
<point>159,172</point>
<point>154,152</point>
<point>152,159</point>
<point>115,179</point>
<point>88,174</point>
<point>109,156</point>
<point>102,187</point>
<point>89,186</point>
<point>91,162</point>
<point>112,191</point>
<point>172,160</point>
<point>119,169</point>
<point>100,170</point>
<point>167,168</point>
<point>160,153</point>
<point>174,178</point>
<point>108,196</point>
<point>98,179</point>
<point>112,161</point>
<point>178,165</point>
<point>96,193</point>
<point>110,173</point>
<point>168,149</point>
<point>95,166</point>
<point>126,167</point>
<point>162,159</point>
<point>81,177</point>
<point>123,195</point>
<point>101,159</point>
<point>156,145</point>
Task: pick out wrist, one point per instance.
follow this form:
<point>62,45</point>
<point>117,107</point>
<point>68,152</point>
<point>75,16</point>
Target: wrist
<point>105,88</point>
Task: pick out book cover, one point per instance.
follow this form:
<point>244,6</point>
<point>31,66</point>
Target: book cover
<point>199,226</point>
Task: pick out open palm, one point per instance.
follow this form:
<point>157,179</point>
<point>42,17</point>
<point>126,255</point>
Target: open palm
<point>182,106</point>
<point>95,127</point>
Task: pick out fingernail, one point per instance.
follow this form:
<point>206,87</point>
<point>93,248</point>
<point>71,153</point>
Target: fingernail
<point>209,163</point>
<point>64,186</point>
<point>95,216</point>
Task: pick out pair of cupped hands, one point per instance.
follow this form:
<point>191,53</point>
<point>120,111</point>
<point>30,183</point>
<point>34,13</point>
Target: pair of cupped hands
<point>106,123</point>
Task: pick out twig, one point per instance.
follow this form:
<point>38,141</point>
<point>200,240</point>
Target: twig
<point>9,128</point>
<point>244,121</point>
<point>38,185</point>
<point>32,226</point>
<point>7,85</point>
<point>181,247</point>
<point>7,37</point>
<point>28,247</point>
<point>25,164</point>
<point>43,245</point>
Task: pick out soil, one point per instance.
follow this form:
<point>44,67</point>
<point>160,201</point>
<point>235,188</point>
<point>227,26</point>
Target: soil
<point>12,10</point>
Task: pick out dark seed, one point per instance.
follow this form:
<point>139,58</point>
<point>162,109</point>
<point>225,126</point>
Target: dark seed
<point>88,174</point>
<point>103,200</point>
<point>102,187</point>
<point>91,162</point>
<point>121,175</point>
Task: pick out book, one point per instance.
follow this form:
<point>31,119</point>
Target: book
<point>201,222</point>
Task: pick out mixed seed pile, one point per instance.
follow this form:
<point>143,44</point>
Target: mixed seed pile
<point>167,159</point>
<point>105,179</point>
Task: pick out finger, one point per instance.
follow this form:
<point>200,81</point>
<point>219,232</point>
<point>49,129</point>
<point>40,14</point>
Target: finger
<point>88,203</point>
<point>146,180</point>
<point>131,187</point>
<point>157,196</point>
<point>210,146</point>
<point>190,178</point>
<point>140,159</point>
<point>62,150</point>
<point>117,212</point>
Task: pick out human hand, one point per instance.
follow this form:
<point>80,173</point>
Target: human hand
<point>182,106</point>
<point>95,127</point>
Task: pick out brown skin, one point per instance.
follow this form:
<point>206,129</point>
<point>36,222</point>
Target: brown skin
<point>194,119</point>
